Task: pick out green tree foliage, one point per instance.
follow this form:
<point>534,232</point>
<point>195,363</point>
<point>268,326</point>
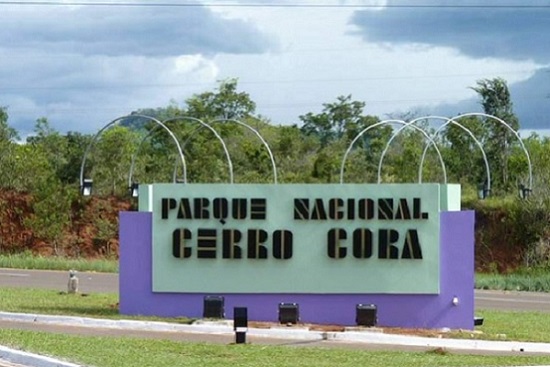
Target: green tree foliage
<point>51,215</point>
<point>498,140</point>
<point>463,157</point>
<point>111,159</point>
<point>225,103</point>
<point>8,136</point>
<point>334,128</point>
<point>338,119</point>
<point>47,167</point>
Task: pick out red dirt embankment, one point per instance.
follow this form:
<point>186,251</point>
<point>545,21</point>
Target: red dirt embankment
<point>92,230</point>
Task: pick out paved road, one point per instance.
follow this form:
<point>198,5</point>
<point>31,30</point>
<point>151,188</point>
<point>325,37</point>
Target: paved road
<point>108,283</point>
<point>88,282</point>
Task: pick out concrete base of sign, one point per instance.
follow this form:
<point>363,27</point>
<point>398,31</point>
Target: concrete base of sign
<point>453,307</point>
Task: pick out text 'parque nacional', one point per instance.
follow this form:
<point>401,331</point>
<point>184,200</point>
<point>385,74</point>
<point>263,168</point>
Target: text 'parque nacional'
<point>213,240</point>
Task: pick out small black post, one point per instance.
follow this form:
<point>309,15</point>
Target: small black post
<point>240,324</point>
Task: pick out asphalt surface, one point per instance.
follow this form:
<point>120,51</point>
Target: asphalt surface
<point>108,283</point>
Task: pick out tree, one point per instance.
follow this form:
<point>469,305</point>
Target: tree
<point>225,103</point>
<point>111,160</point>
<point>52,213</point>
<point>496,101</point>
<point>462,156</point>
<point>343,117</point>
<point>52,143</point>
<point>335,127</point>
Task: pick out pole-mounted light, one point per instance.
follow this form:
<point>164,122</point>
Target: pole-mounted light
<point>483,191</point>
<point>86,187</point>
<point>524,191</point>
<point>134,189</point>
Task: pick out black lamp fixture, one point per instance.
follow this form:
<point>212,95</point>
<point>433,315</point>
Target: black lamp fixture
<point>478,321</point>
<point>213,307</point>
<point>134,190</point>
<point>86,188</point>
<point>523,191</point>
<point>483,191</point>
<point>240,324</point>
<point>366,315</point>
<point>289,313</point>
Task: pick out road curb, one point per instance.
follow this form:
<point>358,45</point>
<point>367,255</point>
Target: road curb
<point>31,359</point>
<point>225,327</point>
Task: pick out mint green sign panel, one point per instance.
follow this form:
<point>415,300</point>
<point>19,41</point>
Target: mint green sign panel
<point>324,239</point>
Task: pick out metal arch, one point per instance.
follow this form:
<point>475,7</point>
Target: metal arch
<point>204,124</point>
<point>381,123</point>
<point>271,157</point>
<point>412,124</point>
<point>230,164</point>
<point>134,156</point>
<point>94,139</point>
<point>478,143</point>
<point>530,166</point>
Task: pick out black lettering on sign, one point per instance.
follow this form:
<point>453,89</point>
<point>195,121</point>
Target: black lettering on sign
<point>184,209</point>
<point>166,205</point>
<point>206,243</point>
<point>411,247</point>
<point>231,238</point>
<point>417,210</point>
<point>351,209</point>
<point>239,208</point>
<point>201,208</point>
<point>335,209</point>
<point>366,209</point>
<point>362,243</point>
<point>301,209</point>
<point>334,249</point>
<point>220,209</point>
<point>258,208</point>
<point>318,211</point>
<point>403,211</point>
<point>385,209</point>
<point>386,240</point>
<point>282,244</point>
<point>256,244</point>
<point>179,246</point>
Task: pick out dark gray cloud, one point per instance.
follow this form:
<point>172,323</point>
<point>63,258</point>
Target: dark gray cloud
<point>115,31</point>
<point>530,98</point>
<point>511,33</point>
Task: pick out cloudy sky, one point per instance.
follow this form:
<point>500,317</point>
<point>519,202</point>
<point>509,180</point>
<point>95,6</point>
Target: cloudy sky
<point>83,65</point>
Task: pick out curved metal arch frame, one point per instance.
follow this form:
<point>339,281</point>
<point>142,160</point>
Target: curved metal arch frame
<point>256,132</point>
<point>529,164</point>
<point>113,122</point>
<point>396,133</point>
<point>469,132</point>
<point>382,123</point>
<point>203,124</point>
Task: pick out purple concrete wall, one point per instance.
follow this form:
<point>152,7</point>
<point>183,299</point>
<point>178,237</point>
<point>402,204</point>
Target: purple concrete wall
<point>409,311</point>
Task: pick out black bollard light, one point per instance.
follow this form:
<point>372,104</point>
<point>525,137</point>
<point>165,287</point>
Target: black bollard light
<point>365,315</point>
<point>240,324</point>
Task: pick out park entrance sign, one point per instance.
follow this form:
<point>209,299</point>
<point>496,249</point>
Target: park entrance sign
<point>407,248</point>
<point>295,238</point>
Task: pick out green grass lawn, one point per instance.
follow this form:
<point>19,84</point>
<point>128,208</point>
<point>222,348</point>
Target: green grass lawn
<point>28,261</point>
<point>131,351</point>
<point>529,280</point>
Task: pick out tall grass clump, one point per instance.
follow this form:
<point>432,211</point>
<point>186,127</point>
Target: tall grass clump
<point>27,260</point>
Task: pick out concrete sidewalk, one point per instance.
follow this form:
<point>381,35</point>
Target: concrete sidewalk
<point>222,332</point>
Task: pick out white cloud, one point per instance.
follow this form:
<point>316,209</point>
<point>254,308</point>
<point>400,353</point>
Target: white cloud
<point>81,67</point>
<point>321,56</point>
